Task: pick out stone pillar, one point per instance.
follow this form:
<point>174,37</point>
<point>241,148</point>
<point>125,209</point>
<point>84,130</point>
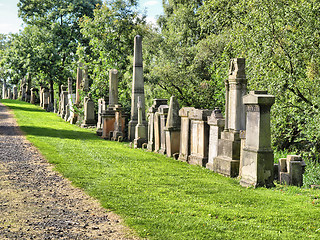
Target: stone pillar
<point>157,132</point>
<point>64,101</point>
<point>89,116</point>
<point>78,83</point>
<point>33,96</point>
<point>151,122</point>
<point>9,94</point>
<point>141,130</point>
<point>85,84</point>
<point>113,87</point>
<point>55,110</point>
<point>258,162</point>
<point>73,116</point>
<point>199,137</point>
<point>4,90</point>
<point>113,118</point>
<point>69,108</point>
<point>137,88</point>
<point>46,98</point>
<point>172,129</point>
<point>15,92</point>
<point>41,96</point>
<point>228,160</point>
<point>184,151</point>
<point>102,107</point>
<point>216,123</point>
<point>163,114</point>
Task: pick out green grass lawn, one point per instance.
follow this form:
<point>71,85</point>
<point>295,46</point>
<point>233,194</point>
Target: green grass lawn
<point>162,198</point>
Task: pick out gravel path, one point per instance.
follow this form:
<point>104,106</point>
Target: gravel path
<point>38,203</point>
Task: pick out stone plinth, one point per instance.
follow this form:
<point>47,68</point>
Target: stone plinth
<point>151,122</point>
<point>184,151</point>
<point>216,122</point>
<point>141,130</point>
<point>89,116</point>
<point>172,129</point>
<point>163,114</point>
<point>228,160</point>
<point>199,137</point>
<point>258,163</point>
<point>137,89</point>
<point>109,121</point>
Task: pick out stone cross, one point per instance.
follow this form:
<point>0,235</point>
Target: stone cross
<point>137,88</point>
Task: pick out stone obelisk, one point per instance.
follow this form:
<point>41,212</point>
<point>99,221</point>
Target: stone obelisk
<point>137,89</point>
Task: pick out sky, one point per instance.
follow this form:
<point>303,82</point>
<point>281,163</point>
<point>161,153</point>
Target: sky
<point>10,23</point>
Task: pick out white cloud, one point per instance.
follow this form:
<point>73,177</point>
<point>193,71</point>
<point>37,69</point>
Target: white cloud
<point>151,3</point>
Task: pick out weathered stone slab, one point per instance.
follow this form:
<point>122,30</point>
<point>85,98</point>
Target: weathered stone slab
<point>184,151</point>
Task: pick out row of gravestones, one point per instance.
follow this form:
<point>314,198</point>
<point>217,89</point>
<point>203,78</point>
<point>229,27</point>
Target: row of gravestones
<point>237,145</point>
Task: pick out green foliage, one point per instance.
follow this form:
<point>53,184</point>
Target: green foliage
<point>162,198</point>
<point>111,33</point>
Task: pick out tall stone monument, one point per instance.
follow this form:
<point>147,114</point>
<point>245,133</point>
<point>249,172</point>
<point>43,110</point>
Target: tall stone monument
<point>258,163</point>
<point>15,92</point>
<point>78,83</point>
<point>228,160</point>
<point>184,152</point>
<point>137,89</point>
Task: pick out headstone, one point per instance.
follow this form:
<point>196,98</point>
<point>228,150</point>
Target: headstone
<point>151,122</point>
<point>137,88</point>
<point>199,137</point>
<point>258,162</point>
<point>72,115</point>
<point>4,90</point>
<point>64,101</point>
<point>23,89</point>
<point>228,160</point>
<point>9,94</point>
<point>89,116</point>
<point>185,133</point>
<point>157,132</point>
<point>33,96</point>
<point>172,129</point>
<point>55,109</point>
<point>216,123</point>
<point>291,170</point>
<point>163,114</point>
<point>46,98</point>
<point>15,92</point>
<point>141,130</point>
<point>102,107</point>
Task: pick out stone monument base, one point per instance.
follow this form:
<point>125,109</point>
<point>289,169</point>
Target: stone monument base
<point>196,160</point>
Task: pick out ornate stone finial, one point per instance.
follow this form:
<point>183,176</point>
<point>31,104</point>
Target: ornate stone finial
<point>237,69</point>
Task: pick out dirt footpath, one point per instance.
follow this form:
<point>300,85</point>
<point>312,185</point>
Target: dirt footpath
<point>37,203</point>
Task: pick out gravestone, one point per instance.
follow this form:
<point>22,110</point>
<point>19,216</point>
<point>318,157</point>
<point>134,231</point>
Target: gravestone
<point>216,123</point>
<point>9,94</point>
<point>258,162</point>
<point>78,83</point>
<point>4,90</point>
<point>163,114</point>
<point>228,160</point>
<point>141,130</point>
<point>157,132</point>
<point>15,92</point>
<point>102,107</point>
<point>172,129</point>
<point>199,137</point>
<point>46,98</point>
<point>137,89</point>
<point>291,170</point>
<point>33,96</point>
<point>64,101</point>
<point>113,118</point>
<point>89,116</point>
<point>185,133</point>
<point>151,122</point>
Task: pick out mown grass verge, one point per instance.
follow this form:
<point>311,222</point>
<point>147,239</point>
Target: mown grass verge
<point>165,199</point>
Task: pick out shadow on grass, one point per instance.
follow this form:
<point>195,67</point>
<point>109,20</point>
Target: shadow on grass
<point>26,109</point>
<point>59,133</point>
